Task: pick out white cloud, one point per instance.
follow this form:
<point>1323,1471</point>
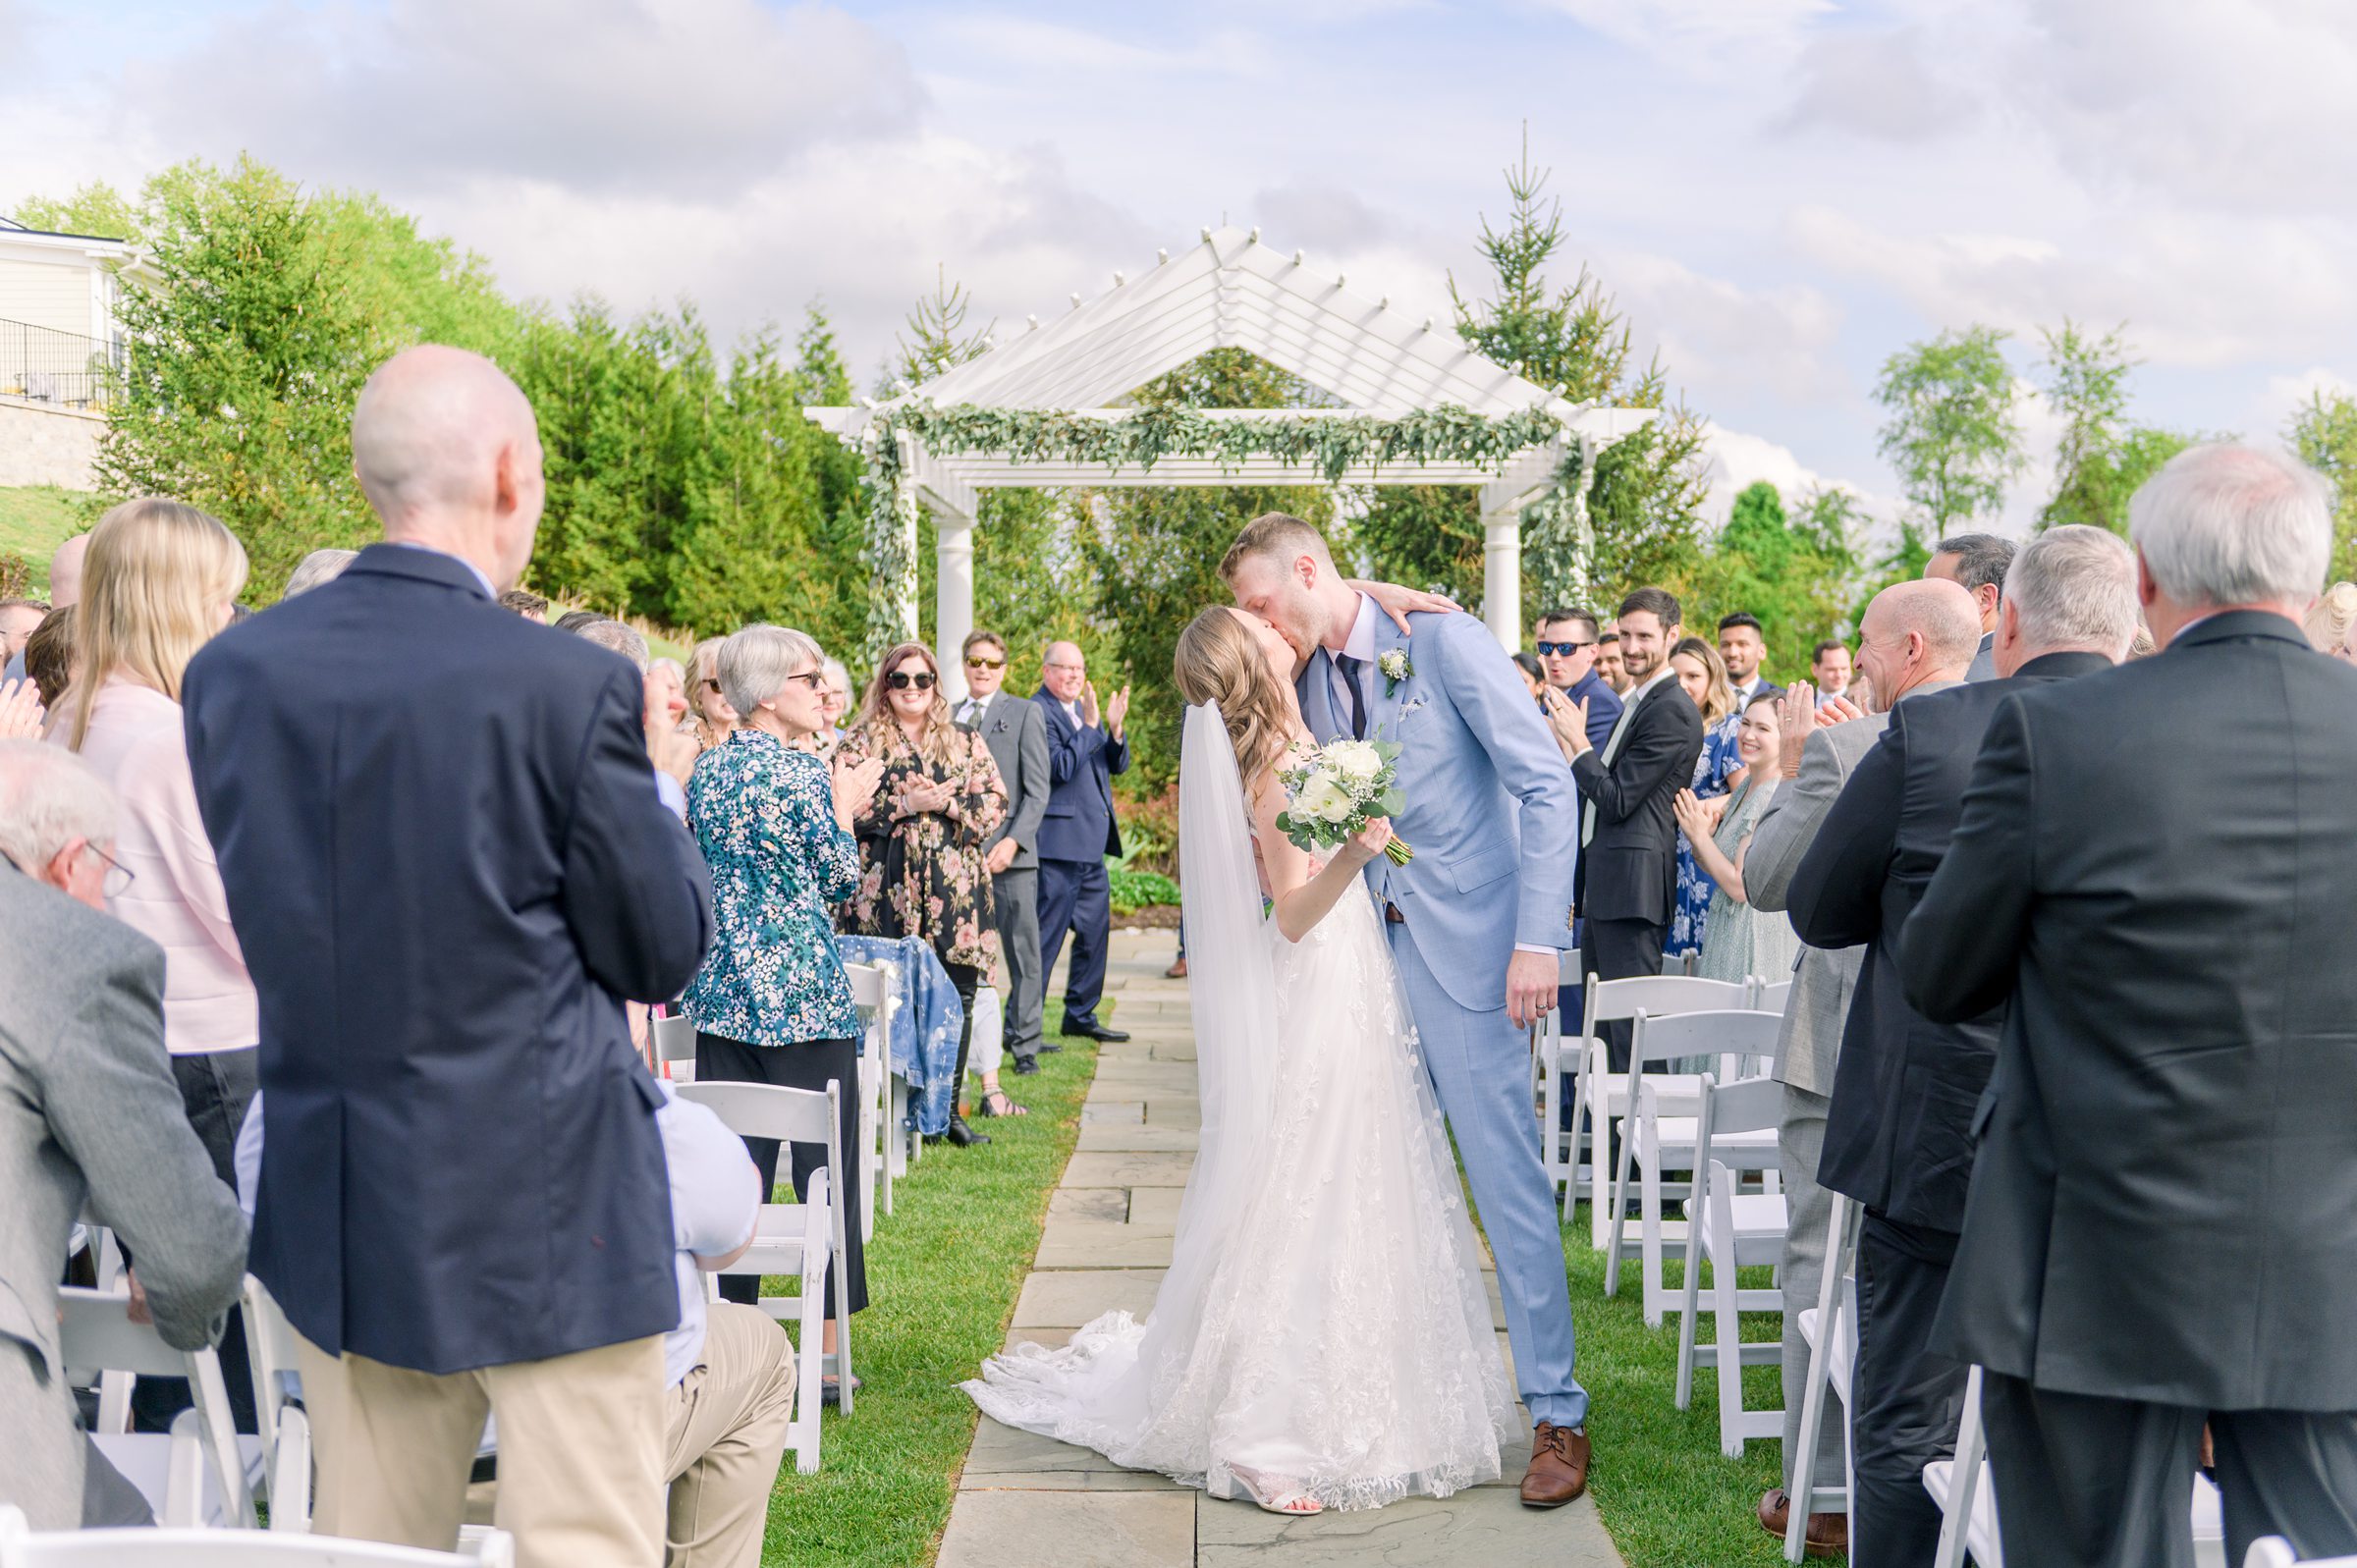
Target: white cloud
<point>1877,85</point>
<point>1739,459</point>
<point>1740,342</point>
<point>1699,31</point>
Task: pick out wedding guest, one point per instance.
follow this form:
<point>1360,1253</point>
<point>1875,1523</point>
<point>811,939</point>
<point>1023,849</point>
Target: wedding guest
<point>2147,879</point>
<point>91,1121</point>
<point>157,585</point>
<point>444,885</point>
<point>1627,874</point>
<point>48,658</point>
<point>2332,627</point>
<point>1610,666</point>
<point>660,700</point>
<point>1830,668</point>
<point>65,587</point>
<point>1567,641</point>
<point>838,703</point>
<point>1017,733</point>
<point>1697,667</point>
<point>1741,941</point>
<point>1086,748</point>
<point>607,632</point>
<point>1899,1132</point>
<point>923,831</point>
<point>772,1004</point>
<point>1741,647</point>
<point>1534,676</point>
<point>574,621</point>
<point>714,717</point>
<point>18,618</point>
<point>1976,562</point>
<point>320,566</point>
<point>526,603</point>
<point>22,715</point>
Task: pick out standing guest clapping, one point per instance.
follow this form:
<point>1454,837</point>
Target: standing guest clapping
<point>1087,747</point>
<point>1741,941</point>
<point>923,833</point>
<point>157,584</point>
<point>445,884</point>
<point>772,1004</point>
<point>1703,674</point>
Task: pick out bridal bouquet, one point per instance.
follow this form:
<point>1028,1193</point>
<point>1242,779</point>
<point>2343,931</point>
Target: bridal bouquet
<point>1335,790</point>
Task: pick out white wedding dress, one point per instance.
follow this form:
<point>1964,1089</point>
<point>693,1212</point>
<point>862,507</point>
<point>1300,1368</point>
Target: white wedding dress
<point>1322,1326</point>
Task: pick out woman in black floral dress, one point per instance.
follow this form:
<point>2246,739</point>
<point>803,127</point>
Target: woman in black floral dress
<point>921,834</point>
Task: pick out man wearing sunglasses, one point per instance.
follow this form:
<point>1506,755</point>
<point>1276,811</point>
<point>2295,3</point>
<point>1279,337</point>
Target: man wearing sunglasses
<point>1086,747</point>
<point>1017,733</point>
<point>1566,644</point>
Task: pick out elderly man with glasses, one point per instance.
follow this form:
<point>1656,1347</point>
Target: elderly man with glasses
<point>1086,747</point>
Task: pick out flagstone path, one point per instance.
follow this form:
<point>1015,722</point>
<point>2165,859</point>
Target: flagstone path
<point>1031,1500</point>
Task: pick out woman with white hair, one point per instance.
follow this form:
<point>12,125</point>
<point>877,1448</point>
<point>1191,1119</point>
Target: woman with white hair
<point>771,1003</point>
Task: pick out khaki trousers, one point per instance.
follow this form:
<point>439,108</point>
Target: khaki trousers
<point>725,1432</point>
<point>581,1452</point>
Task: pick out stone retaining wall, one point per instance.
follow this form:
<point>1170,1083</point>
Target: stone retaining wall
<point>42,444</point>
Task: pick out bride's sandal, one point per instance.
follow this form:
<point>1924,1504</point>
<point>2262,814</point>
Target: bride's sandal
<point>1276,1495</point>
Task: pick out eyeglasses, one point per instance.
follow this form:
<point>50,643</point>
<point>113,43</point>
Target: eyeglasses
<point>118,879</point>
<point>977,661</point>
<point>809,678</point>
<point>902,680</point>
<point>1561,650</point>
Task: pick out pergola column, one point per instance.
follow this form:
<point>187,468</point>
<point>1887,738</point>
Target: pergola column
<point>1501,574</point>
<point>953,594</point>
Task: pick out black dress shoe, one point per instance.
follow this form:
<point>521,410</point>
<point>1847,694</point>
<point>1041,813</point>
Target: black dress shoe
<point>963,1135</point>
<point>1094,1031</point>
<point>1025,1066</point>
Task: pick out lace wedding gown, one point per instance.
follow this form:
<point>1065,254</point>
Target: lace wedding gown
<point>1323,1325</point>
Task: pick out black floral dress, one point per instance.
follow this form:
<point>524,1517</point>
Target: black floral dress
<point>924,876</point>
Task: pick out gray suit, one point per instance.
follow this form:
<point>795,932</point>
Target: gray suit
<point>89,1117</point>
<point>1814,1013</point>
<point>1983,663</point>
<point>1017,733</point>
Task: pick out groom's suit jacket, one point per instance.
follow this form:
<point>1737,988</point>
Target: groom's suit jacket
<point>1490,811</point>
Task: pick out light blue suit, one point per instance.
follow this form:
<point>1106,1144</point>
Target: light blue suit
<point>1494,818</point>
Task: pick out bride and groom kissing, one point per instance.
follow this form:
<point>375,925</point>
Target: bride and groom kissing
<point>1322,1338</point>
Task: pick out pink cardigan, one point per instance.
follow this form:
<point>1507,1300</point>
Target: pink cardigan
<point>175,897</point>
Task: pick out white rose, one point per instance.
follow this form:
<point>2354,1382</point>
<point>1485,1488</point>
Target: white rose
<point>1355,759</point>
<point>1324,799</point>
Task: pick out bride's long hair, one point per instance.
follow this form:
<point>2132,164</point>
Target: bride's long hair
<point>1218,661</point>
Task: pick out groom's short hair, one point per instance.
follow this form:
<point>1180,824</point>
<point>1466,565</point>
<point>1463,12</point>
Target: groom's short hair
<point>1659,603</point>
<point>1279,536</point>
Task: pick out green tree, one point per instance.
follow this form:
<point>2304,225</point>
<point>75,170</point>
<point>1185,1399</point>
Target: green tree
<point>2101,457</point>
<point>1795,573</point>
<point>2324,432</point>
<point>1953,432</point>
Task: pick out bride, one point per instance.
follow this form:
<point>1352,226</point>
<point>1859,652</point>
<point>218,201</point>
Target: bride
<point>1322,1338</point>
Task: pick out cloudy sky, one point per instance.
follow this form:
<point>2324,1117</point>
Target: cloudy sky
<point>1779,191</point>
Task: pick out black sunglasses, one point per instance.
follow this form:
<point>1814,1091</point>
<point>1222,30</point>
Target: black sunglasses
<point>1561,650</point>
<point>902,680</point>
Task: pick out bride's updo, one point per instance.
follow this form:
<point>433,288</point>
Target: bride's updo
<point>1218,661</point>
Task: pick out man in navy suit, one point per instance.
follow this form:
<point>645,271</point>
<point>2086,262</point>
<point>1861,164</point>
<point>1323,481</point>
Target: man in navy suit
<point>1085,749</point>
<point>448,863</point>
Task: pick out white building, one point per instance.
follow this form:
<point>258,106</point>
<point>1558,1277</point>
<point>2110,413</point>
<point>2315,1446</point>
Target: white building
<point>58,333</point>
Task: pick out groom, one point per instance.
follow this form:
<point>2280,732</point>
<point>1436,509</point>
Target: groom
<point>1477,919</point>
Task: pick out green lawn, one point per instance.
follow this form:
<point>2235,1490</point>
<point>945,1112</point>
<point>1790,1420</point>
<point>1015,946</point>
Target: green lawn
<point>35,520</point>
<point>943,1273</point>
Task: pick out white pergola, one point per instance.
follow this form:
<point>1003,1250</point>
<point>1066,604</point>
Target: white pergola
<point>1231,290</point>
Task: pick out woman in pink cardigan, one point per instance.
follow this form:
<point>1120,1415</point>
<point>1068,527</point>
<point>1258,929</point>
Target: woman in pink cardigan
<point>157,583</point>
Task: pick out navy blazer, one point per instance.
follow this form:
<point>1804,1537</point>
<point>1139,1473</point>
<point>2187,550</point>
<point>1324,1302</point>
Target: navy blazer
<point>1604,706</point>
<point>447,865</point>
<point>1082,761</point>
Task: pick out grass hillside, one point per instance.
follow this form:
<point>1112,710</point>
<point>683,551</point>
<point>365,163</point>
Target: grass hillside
<point>35,520</point>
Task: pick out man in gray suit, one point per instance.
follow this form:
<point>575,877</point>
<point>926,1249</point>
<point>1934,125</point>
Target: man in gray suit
<point>1017,733</point>
<point>1976,562</point>
<point>89,1117</point>
<point>1821,747</point>
<point>2151,873</point>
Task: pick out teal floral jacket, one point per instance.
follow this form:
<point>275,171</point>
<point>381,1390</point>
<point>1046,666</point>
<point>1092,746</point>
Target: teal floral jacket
<point>764,816</point>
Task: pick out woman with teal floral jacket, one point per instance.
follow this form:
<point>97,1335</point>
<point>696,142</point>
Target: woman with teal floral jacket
<point>771,1003</point>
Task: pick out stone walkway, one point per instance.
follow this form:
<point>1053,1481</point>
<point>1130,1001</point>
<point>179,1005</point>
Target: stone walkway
<point>1028,1500</point>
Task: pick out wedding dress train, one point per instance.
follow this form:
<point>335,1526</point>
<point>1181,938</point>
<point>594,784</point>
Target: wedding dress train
<point>1322,1326</point>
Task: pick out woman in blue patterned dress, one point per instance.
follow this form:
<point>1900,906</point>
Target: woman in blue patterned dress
<point>772,1004</point>
<point>1703,673</point>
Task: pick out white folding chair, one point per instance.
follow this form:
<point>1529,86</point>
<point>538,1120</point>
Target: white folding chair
<point>674,1042</point>
<point>1604,1092</point>
<point>2273,1551</point>
<point>1730,1230</point>
<point>806,1239</point>
<point>272,1356</point>
<point>180,1547</point>
<point>1767,997</point>
<point>1552,1051</point>
<point>1831,1331</point>
<point>1660,1136</point>
<point>869,994</point>
<point>95,1334</point>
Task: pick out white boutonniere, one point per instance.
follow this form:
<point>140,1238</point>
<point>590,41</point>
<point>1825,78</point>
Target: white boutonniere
<point>1396,669</point>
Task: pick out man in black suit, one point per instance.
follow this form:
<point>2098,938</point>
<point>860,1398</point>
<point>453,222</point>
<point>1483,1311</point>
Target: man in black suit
<point>1897,1134</point>
<point>1017,733</point>
<point>1742,645</point>
<point>2154,870</point>
<point>1976,562</point>
<point>1086,748</point>
<point>448,863</point>
<point>1627,885</point>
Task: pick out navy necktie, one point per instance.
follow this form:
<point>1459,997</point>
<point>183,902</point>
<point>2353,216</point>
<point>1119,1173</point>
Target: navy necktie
<point>1350,668</point>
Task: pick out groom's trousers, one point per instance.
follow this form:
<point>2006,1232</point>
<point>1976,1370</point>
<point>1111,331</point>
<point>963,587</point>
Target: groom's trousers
<point>1479,1064</point>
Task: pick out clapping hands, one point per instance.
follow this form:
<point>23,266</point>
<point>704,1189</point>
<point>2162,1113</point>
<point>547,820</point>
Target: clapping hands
<point>20,711</point>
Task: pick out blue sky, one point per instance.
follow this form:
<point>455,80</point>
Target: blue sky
<point>1779,191</point>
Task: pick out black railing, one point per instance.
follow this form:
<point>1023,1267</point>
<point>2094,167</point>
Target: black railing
<point>52,366</point>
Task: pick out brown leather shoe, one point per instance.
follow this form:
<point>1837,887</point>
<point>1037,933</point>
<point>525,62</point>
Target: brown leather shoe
<point>1827,1534</point>
<point>1559,1466</point>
